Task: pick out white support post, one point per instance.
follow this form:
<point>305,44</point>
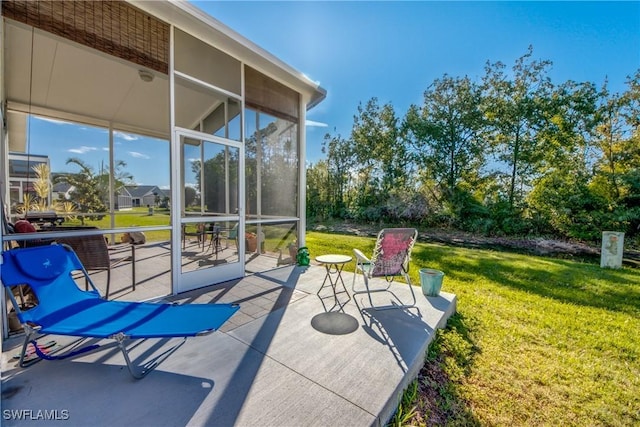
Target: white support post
<point>302,174</point>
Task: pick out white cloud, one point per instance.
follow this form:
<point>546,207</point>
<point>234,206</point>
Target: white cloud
<point>138,155</point>
<point>81,150</point>
<point>316,124</point>
<point>125,136</point>
<point>54,121</point>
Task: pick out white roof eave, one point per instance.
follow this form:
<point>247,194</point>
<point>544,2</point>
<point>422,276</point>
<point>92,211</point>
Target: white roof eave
<point>188,17</point>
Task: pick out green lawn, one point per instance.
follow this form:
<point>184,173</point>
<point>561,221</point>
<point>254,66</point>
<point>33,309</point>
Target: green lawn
<point>536,341</point>
<point>277,236</point>
<point>136,217</point>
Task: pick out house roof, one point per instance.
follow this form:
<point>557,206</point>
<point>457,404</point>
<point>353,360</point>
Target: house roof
<point>61,187</point>
<point>143,190</point>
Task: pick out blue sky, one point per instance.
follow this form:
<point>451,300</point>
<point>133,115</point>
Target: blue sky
<point>388,50</point>
<point>394,50</point>
<point>146,158</point>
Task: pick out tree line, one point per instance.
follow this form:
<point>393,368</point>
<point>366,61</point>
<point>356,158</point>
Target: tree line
<point>510,154</point>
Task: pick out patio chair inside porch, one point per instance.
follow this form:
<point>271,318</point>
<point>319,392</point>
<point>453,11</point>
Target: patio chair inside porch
<point>199,232</point>
<point>93,252</point>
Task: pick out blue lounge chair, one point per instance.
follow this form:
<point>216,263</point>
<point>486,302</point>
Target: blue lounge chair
<point>65,309</point>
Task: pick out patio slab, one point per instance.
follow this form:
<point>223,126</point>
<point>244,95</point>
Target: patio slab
<point>276,365</point>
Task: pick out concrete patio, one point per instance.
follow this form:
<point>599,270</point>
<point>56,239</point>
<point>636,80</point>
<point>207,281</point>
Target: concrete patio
<point>280,361</point>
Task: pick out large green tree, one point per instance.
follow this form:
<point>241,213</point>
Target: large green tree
<point>381,157</point>
<point>319,201</point>
<point>220,181</point>
<point>340,166</point>
<point>567,134</point>
<point>514,105</point>
<point>445,133</point>
<point>560,197</point>
<point>617,171</point>
<point>616,138</point>
<point>564,158</point>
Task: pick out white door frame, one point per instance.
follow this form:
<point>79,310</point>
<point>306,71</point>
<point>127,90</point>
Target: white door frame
<point>187,281</point>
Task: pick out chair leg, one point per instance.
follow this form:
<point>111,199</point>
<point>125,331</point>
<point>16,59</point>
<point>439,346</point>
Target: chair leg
<point>413,295</point>
<point>359,269</point>
<point>369,291</point>
<point>133,267</point>
<point>106,296</point>
<point>366,285</point>
<point>353,282</point>
<point>29,333</point>
<point>141,372</point>
<point>136,373</point>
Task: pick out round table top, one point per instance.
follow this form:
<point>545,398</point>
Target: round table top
<point>333,259</point>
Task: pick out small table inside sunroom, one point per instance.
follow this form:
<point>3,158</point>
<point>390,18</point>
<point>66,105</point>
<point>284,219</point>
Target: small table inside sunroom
<point>334,265</point>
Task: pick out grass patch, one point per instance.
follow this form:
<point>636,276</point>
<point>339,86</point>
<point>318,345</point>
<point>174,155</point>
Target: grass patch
<point>277,236</point>
<point>406,411</point>
<point>136,217</point>
<point>536,340</point>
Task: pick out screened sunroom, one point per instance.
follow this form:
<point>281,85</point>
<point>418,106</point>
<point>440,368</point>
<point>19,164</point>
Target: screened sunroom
<point>102,98</point>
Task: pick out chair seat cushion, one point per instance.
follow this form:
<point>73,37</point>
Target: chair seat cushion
<point>102,319</point>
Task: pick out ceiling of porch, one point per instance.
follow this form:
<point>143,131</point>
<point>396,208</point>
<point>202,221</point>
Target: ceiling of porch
<point>46,74</point>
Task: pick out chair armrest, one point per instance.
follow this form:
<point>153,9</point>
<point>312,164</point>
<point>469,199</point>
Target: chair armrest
<point>360,257</point>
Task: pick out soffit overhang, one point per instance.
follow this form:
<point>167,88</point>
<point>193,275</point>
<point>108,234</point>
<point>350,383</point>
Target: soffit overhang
<point>191,19</point>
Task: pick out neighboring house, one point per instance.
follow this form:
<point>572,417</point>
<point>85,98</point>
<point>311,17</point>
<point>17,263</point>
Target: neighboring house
<point>126,197</point>
<point>62,191</point>
<point>143,195</point>
<point>124,200</point>
<point>21,175</point>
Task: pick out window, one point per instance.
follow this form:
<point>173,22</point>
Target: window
<point>272,152</point>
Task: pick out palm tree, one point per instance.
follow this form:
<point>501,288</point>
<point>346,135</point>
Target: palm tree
<point>42,200</point>
<point>87,193</point>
